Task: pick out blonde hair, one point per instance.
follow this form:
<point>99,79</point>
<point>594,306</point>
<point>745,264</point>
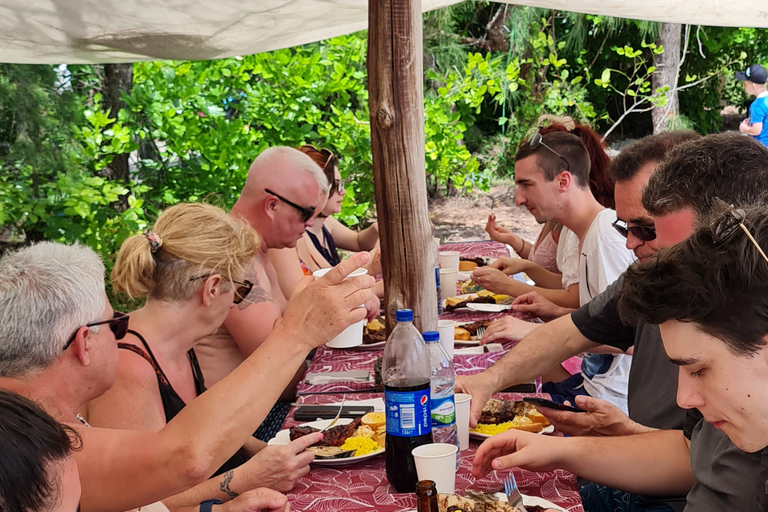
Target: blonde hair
<point>188,240</point>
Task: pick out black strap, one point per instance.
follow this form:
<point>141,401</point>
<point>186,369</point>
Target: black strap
<point>207,505</point>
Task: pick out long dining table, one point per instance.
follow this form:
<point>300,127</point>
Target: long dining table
<point>363,485</point>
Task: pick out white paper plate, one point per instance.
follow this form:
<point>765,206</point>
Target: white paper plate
<point>284,437</point>
<point>371,346</point>
<point>477,435</point>
<point>528,501</point>
<point>488,308</point>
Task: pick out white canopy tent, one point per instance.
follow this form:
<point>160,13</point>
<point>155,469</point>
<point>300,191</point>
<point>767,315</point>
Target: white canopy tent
<point>90,31</point>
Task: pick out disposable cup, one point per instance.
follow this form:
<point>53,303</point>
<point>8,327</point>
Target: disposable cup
<point>437,462</point>
<point>448,279</point>
<point>352,336</point>
<point>449,259</point>
<point>463,402</point>
<point>447,335</point>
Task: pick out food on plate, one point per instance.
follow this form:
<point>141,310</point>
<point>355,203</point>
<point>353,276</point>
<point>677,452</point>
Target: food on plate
<point>474,326</point>
<point>334,436</point>
<point>501,415</point>
<point>471,287</point>
<point>361,444</point>
<point>467,266</point>
<point>331,452</point>
<point>374,420</point>
<point>461,334</point>
<point>452,303</point>
<point>455,503</point>
<point>479,261</point>
<point>375,331</point>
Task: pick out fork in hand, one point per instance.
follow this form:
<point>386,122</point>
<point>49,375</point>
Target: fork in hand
<point>343,397</point>
<point>513,493</point>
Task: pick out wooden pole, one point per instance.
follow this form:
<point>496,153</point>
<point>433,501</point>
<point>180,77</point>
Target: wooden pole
<point>395,84</point>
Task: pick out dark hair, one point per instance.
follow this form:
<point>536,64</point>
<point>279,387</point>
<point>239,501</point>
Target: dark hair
<point>32,443</point>
<point>569,146</point>
<point>716,279</point>
<point>650,149</point>
<point>600,182</point>
<point>728,166</point>
<point>320,157</point>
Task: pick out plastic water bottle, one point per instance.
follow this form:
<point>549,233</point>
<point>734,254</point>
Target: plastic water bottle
<point>443,407</point>
<point>436,250</point>
<point>405,370</point>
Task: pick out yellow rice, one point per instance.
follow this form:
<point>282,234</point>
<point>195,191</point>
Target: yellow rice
<point>361,445</point>
<point>492,430</point>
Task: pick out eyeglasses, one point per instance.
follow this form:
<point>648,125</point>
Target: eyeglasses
<point>644,233</point>
<point>241,292</point>
<point>536,140</point>
<point>327,153</point>
<point>338,186</point>
<point>306,213</point>
<point>730,224</point>
<point>118,324</point>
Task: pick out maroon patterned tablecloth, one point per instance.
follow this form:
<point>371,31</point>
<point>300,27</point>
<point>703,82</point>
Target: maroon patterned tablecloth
<point>487,248</point>
<point>363,486</point>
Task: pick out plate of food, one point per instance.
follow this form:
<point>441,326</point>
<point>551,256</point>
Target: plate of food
<point>466,333</point>
<point>374,335</point>
<point>501,415</point>
<point>488,308</point>
<point>350,440</point>
<point>462,302</point>
<point>497,502</point>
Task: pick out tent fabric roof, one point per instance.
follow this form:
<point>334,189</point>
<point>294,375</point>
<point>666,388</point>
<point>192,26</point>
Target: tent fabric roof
<point>91,31</point>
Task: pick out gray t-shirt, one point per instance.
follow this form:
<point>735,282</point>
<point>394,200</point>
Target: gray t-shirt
<point>652,397</point>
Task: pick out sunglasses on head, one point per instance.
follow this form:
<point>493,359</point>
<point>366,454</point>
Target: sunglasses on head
<point>537,140</point>
<point>241,292</point>
<point>306,213</point>
<point>644,233</point>
<point>118,324</point>
<point>327,153</point>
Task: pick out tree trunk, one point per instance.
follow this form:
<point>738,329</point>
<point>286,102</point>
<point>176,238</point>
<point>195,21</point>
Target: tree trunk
<point>118,79</point>
<point>667,65</point>
<point>395,81</point>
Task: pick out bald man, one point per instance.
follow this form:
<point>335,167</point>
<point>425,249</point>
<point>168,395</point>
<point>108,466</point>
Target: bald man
<point>283,193</point>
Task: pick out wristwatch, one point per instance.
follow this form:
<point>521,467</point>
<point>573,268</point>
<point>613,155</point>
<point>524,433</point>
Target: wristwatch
<point>207,505</point>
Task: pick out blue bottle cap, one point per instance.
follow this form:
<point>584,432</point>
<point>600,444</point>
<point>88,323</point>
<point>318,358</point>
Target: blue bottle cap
<point>431,336</point>
<point>404,315</point>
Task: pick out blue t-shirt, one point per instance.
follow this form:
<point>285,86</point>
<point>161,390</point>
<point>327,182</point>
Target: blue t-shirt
<point>758,113</point>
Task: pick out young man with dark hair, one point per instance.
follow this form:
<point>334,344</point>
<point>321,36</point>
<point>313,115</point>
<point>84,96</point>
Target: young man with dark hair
<point>552,177</point>
<point>37,471</point>
<point>657,462</point>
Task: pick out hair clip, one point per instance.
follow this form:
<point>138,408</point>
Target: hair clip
<point>155,242</point>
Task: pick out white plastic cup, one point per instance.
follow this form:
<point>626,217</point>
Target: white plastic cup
<point>447,335</point>
<point>352,336</point>
<point>449,260</point>
<point>448,279</point>
<point>463,402</point>
<point>437,462</point>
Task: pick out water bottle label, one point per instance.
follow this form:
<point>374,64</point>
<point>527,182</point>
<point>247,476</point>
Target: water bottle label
<point>443,412</point>
<point>408,412</point>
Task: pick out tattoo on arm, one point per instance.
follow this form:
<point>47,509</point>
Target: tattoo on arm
<point>224,484</point>
<point>258,294</point>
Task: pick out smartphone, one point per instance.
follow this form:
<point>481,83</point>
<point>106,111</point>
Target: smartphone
<point>327,412</point>
<point>552,405</point>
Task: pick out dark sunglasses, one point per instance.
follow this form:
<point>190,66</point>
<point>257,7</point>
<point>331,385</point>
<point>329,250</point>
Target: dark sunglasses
<point>241,292</point>
<point>537,140</point>
<point>327,153</point>
<point>306,213</point>
<point>118,324</point>
<point>644,233</point>
<point>338,186</point>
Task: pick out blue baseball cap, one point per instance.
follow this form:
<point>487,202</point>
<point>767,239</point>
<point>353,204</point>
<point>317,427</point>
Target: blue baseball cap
<point>754,73</point>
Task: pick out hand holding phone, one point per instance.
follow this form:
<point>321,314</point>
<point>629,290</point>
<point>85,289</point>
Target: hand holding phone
<point>543,402</point>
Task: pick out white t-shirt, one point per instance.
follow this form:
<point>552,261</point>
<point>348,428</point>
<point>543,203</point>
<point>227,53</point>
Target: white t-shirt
<point>604,257</point>
<point>568,257</point>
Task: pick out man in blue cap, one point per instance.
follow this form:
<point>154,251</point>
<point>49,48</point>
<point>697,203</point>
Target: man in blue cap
<point>754,78</point>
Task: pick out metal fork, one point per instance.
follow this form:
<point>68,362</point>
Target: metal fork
<point>338,414</point>
<point>479,333</point>
<point>513,493</point>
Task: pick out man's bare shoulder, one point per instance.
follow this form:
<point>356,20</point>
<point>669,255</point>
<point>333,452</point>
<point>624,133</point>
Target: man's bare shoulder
<point>262,291</point>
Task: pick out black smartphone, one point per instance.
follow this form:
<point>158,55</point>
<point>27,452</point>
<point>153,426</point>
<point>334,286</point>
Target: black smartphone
<point>326,412</point>
<point>550,404</point>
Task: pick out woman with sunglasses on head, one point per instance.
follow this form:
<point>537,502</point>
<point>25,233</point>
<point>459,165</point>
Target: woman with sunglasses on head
<point>189,267</point>
<point>318,247</point>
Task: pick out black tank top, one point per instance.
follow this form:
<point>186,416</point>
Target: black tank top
<point>330,254</point>
<point>172,402</point>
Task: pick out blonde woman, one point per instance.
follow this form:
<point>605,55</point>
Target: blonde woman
<point>189,267</point>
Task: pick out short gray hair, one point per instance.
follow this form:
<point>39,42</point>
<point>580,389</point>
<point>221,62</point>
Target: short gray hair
<point>284,155</point>
<point>47,291</point>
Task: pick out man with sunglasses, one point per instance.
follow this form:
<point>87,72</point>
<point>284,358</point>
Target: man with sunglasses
<point>56,349</point>
<point>682,190</point>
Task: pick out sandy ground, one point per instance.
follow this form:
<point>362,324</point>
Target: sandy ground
<point>459,219</point>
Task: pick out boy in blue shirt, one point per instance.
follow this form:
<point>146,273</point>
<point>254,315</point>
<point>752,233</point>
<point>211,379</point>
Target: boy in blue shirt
<point>754,78</point>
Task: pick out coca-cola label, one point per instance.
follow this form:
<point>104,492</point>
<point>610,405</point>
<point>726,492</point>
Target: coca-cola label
<point>408,412</point>
<point>443,412</point>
